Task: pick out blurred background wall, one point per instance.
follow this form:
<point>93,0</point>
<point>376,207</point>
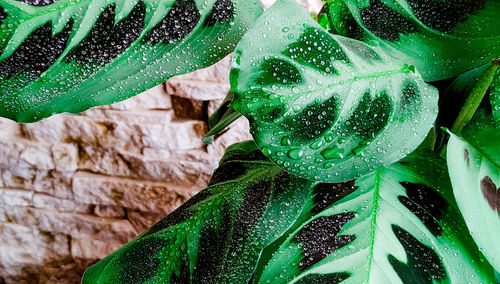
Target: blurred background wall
<point>73,188</point>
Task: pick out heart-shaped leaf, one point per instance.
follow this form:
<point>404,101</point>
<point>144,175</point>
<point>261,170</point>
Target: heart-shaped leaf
<point>70,55</point>
<point>441,38</point>
<point>398,224</point>
<point>474,165</point>
<point>326,107</point>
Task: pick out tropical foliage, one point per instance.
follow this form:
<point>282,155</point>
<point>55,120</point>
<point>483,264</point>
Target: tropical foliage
<point>376,131</point>
<point>70,55</point>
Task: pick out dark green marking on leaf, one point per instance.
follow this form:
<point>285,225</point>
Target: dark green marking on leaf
<point>213,243</point>
<point>303,128</point>
<point>326,194</point>
<point>179,22</point>
<point>222,12</point>
<point>106,40</point>
<point>451,12</point>
<point>37,52</point>
<point>278,71</point>
<point>228,171</point>
<point>139,263</point>
<point>425,203</point>
<point>184,273</point>
<point>491,193</point>
<point>385,22</point>
<point>410,98</point>
<point>423,265</point>
<point>316,50</point>
<point>3,15</point>
<point>333,278</point>
<point>319,238</point>
<point>38,2</point>
<point>252,208</point>
<point>368,120</point>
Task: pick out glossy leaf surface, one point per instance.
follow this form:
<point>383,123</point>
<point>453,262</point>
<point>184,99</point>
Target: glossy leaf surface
<point>326,107</point>
<point>495,96</point>
<point>398,224</point>
<point>474,165</point>
<point>441,38</point>
<point>217,235</point>
<point>70,55</point>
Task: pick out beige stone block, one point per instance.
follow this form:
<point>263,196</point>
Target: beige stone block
<point>21,245</point>
<point>16,197</point>
<point>52,182</point>
<point>136,194</point>
<point>178,135</point>
<point>9,128</point>
<point>130,117</point>
<point>65,157</point>
<point>44,201</point>
<point>109,211</point>
<point>143,220</point>
<point>92,249</point>
<point>154,98</point>
<point>25,153</point>
<point>76,225</point>
<point>119,163</point>
<point>196,90</point>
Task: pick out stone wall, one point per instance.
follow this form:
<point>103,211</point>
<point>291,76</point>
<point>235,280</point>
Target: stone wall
<point>73,188</point>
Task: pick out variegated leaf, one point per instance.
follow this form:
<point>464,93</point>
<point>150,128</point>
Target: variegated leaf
<point>70,55</point>
<point>326,107</point>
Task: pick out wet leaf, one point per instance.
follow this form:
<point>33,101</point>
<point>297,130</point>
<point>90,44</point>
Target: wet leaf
<point>69,55</point>
<point>323,106</point>
<point>474,165</point>
<point>441,38</point>
<point>398,224</point>
<point>217,235</point>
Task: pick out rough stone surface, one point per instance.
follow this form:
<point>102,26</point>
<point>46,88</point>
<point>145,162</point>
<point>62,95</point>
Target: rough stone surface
<point>74,188</point>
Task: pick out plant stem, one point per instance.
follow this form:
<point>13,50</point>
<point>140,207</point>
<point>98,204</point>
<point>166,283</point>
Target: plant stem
<point>475,97</point>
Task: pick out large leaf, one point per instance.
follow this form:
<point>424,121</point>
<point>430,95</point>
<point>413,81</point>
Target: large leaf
<point>474,165</point>
<point>70,55</point>
<point>397,224</point>
<point>217,235</point>
<point>441,38</point>
<point>323,106</point>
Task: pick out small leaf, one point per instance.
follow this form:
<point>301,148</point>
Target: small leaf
<point>441,38</point>
<point>221,118</point>
<point>71,55</point>
<point>323,106</point>
<point>474,165</point>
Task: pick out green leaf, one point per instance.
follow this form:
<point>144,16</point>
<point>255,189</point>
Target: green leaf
<point>474,165</point>
<point>256,221</point>
<point>324,106</point>
<point>221,118</point>
<point>217,235</point>
<point>441,38</point>
<point>495,96</point>
<point>399,224</point>
<point>71,55</point>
